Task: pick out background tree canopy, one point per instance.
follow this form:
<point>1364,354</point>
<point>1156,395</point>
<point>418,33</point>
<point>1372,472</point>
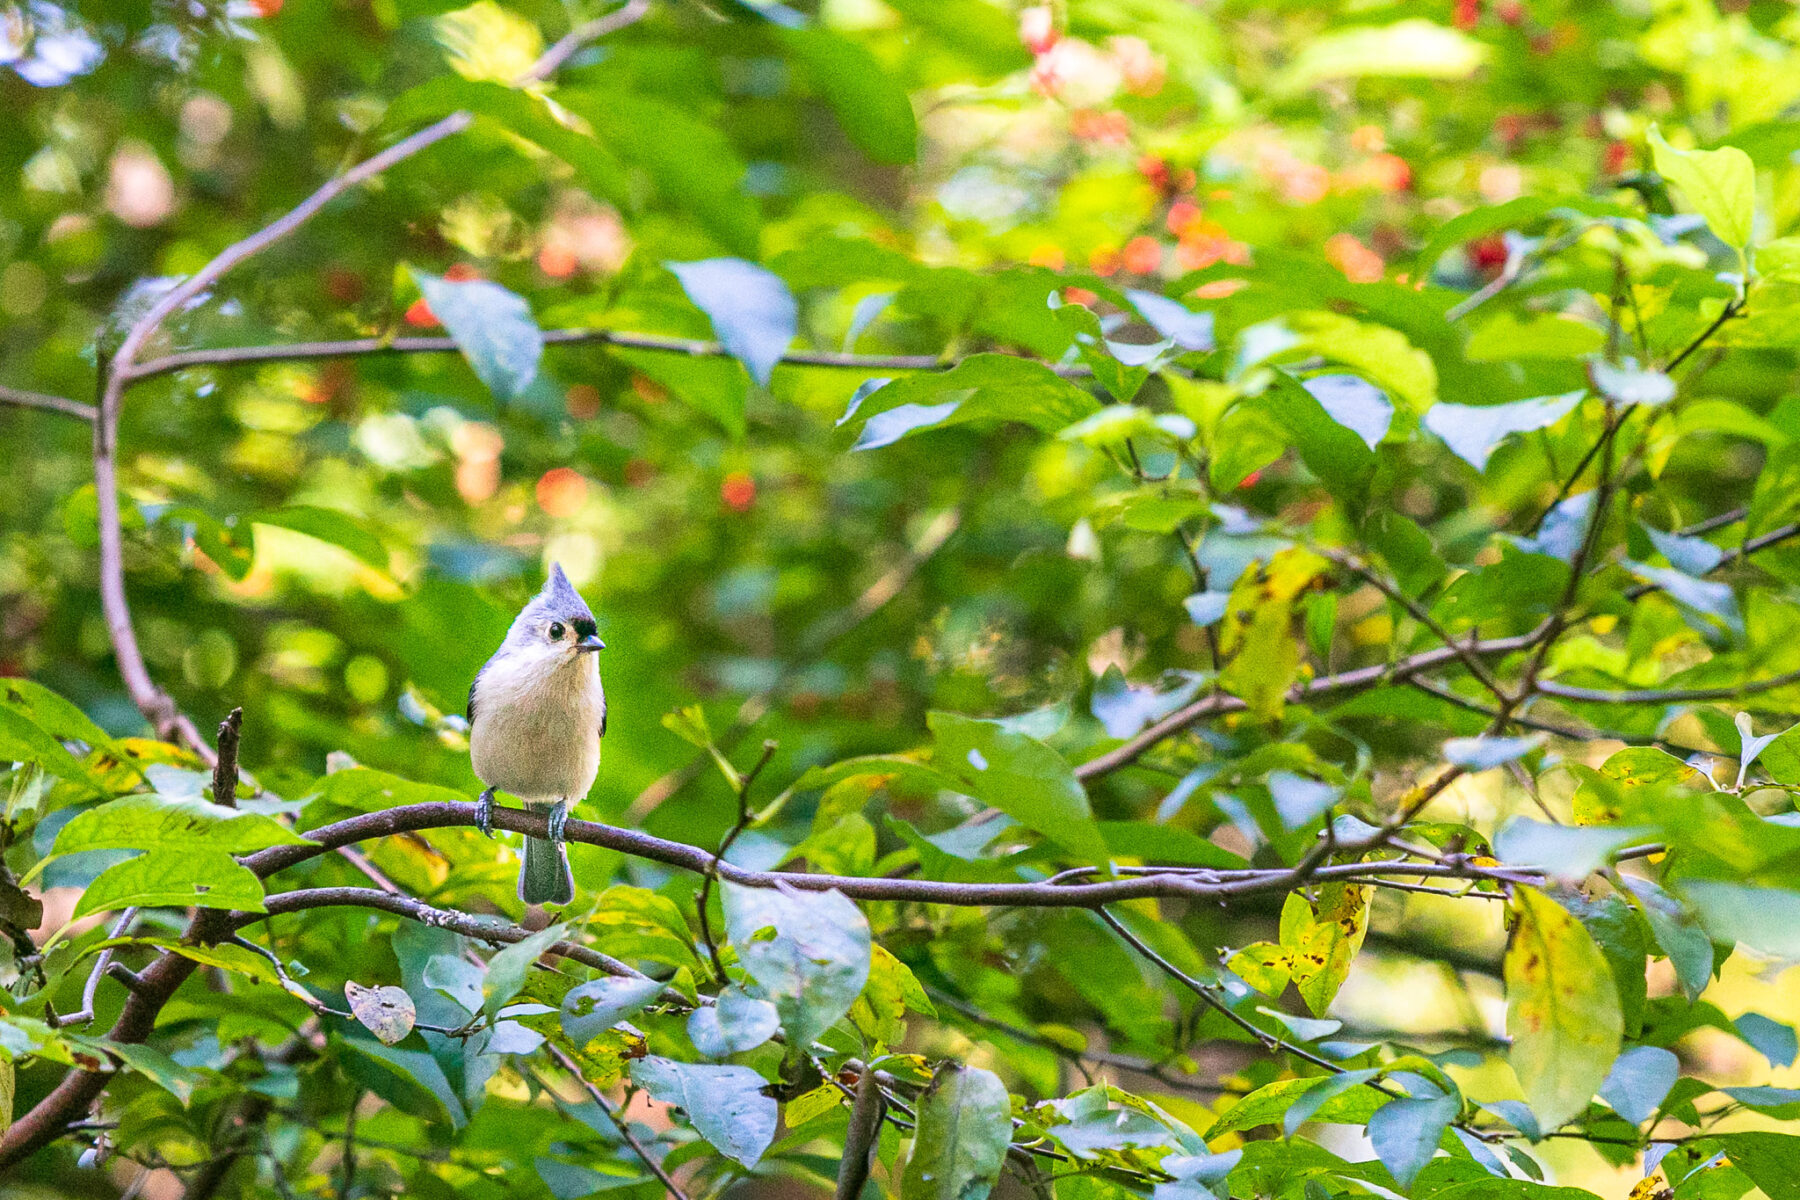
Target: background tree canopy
<point>1221,576</point>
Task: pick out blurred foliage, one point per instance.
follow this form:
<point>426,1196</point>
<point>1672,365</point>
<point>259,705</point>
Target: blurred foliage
<point>1289,342</point>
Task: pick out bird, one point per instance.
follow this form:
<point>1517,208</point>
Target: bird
<point>537,712</point>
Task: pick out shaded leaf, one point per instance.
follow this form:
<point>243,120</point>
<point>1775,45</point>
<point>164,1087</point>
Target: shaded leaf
<point>965,1126</point>
<point>493,327</point>
<point>726,1104</point>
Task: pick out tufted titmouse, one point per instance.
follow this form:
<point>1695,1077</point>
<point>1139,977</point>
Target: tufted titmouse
<point>536,716</point>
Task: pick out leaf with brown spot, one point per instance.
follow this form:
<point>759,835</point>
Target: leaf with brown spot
<point>1562,1009</point>
<point>387,1012</point>
<point>1324,939</point>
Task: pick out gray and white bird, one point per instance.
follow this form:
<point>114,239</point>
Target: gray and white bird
<point>537,712</point>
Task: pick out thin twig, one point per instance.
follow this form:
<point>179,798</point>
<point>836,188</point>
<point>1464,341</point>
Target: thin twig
<point>1563,691</point>
<point>590,31</point>
<point>745,783</point>
<point>656,1168</point>
<point>120,928</point>
<point>25,399</point>
<point>656,343</point>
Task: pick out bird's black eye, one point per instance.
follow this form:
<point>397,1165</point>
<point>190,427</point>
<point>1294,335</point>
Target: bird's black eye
<point>556,631</point>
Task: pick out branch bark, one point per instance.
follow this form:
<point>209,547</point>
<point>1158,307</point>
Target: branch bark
<point>20,398</point>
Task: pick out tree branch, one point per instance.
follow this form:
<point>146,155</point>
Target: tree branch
<point>23,399</point>
<point>1361,677</point>
<point>658,343</point>
<point>1564,691</point>
<point>552,59</point>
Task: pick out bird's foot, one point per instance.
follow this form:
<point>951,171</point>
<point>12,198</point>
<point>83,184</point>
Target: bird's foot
<point>484,812</point>
<point>555,820</point>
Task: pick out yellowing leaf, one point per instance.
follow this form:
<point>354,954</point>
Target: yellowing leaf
<point>809,1106</point>
<point>1264,966</point>
<point>1323,940</point>
<point>1562,1009</point>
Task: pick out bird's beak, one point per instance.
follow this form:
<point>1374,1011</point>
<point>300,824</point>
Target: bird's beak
<point>590,642</point>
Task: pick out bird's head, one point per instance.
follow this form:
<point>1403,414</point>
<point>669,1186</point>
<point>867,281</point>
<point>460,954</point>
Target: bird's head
<point>556,625</point>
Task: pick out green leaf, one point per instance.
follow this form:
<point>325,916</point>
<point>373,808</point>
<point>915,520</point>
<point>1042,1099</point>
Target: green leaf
<point>1639,1080</point>
<point>1473,433</point>
<point>1405,1133</point>
<point>1562,1009</point>
<point>694,166</point>
<point>593,1008</point>
<point>737,1022</point>
<point>965,1126</point>
<point>387,1012</point>
<point>1020,776</point>
<point>750,308</point>
<point>1773,1040</point>
<point>1770,1160</point>
<point>1688,948</point>
<point>507,970</point>
<point>174,878</point>
<point>153,1064</point>
<point>517,114</point>
<point>327,525</point>
<point>1567,852</point>
<point>1270,1103</point>
<point>493,327</point>
<point>636,923</point>
<point>1759,918</point>
<point>22,740</point>
<point>1720,185</point>
<point>726,1104</point>
<point>1338,455</point>
<point>152,822</point>
<point>809,952</point>
<point>1413,47</point>
<point>53,714</point>
<point>1120,379</point>
<point>1505,338</point>
<point>981,388</point>
<point>871,106</point>
<point>1354,403</point>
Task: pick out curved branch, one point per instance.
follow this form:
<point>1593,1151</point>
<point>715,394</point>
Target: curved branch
<point>657,343</point>
<point>1361,677</point>
<point>24,399</point>
<point>1564,691</point>
<point>1167,883</point>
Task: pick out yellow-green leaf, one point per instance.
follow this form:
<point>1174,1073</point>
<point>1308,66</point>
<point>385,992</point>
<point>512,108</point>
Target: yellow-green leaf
<point>1322,940</point>
<point>1720,185</point>
<point>1562,1009</point>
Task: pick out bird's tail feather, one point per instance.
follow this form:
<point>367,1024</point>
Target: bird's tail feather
<point>544,878</point>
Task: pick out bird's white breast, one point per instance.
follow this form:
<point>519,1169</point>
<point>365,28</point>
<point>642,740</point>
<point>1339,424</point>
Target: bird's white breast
<point>536,731</point>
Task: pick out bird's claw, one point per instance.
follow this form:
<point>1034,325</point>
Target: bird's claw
<point>557,818</point>
<point>484,812</point>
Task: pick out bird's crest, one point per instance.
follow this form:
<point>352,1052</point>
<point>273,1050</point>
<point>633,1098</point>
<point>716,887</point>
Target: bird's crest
<point>560,599</point>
